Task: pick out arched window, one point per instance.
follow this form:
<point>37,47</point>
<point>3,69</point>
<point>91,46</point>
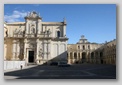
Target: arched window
<point>83,47</point>
<point>92,55</point>
<point>75,55</point>
<point>78,47</point>
<point>58,33</point>
<point>101,54</point>
<point>88,47</point>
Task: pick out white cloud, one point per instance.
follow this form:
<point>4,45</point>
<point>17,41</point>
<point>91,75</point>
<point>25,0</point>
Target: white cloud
<point>16,16</point>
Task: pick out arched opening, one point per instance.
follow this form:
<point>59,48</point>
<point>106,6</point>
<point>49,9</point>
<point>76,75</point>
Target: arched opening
<point>88,47</point>
<point>101,61</point>
<point>83,57</point>
<point>79,55</point>
<point>78,47</point>
<point>83,47</point>
<point>75,55</point>
<point>67,55</point>
<point>58,33</point>
<point>71,57</point>
<point>92,55</point>
<point>101,54</point>
<point>96,57</point>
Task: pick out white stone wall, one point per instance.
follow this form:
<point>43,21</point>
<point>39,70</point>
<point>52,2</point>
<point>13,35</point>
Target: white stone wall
<point>8,65</point>
<point>59,50</point>
<point>56,48</point>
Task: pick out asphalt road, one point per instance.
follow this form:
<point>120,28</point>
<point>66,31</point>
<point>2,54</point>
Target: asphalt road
<point>84,71</point>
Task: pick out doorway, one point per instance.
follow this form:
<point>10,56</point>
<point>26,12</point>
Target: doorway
<point>83,57</point>
<point>31,57</point>
<point>101,61</point>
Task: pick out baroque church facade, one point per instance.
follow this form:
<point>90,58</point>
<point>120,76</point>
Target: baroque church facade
<point>35,41</point>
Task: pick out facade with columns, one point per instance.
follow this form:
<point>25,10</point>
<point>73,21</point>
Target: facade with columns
<point>82,52</point>
<point>35,41</point>
<point>87,52</point>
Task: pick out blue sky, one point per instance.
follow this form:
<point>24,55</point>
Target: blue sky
<point>96,21</point>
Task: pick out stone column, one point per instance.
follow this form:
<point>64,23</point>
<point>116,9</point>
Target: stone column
<point>37,51</point>
<point>73,57</point>
<point>27,29</point>
<point>94,57</point>
<point>39,27</point>
<point>99,59</point>
<point>14,50</point>
<point>45,50</point>
<point>86,56</point>
<point>25,46</point>
<point>18,50</point>
<point>80,55</point>
<point>49,49</point>
<point>68,58</point>
<point>5,50</point>
<point>58,46</point>
<point>68,55</point>
<point>90,57</point>
<point>77,56</point>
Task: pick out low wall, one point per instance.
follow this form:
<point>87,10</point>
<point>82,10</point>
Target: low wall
<point>13,64</point>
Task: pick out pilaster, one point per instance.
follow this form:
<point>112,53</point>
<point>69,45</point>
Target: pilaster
<point>25,46</point>
<point>14,50</point>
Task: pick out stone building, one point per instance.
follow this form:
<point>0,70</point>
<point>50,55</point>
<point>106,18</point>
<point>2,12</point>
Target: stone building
<point>87,52</point>
<point>109,51</point>
<point>82,52</point>
<point>35,41</point>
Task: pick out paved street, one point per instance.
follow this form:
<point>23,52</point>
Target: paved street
<point>84,71</point>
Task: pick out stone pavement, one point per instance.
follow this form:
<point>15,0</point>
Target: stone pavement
<point>84,71</point>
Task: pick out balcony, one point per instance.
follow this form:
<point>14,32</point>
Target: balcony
<point>18,36</point>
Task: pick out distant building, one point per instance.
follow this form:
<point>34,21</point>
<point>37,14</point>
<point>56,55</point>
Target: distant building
<point>35,41</point>
<point>87,52</point>
<point>109,52</point>
<point>82,52</point>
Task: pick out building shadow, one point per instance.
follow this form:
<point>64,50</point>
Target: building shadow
<point>48,71</point>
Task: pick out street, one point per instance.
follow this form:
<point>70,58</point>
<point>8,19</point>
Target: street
<point>84,71</point>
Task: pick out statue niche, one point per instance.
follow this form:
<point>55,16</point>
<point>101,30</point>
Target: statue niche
<point>40,53</point>
<point>32,29</point>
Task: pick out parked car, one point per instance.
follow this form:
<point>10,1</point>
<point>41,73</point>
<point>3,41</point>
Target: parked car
<point>54,63</point>
<point>63,64</point>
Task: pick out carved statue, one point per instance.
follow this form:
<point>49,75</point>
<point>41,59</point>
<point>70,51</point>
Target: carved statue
<point>32,30</point>
<point>15,31</point>
<point>31,45</point>
<point>40,52</point>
